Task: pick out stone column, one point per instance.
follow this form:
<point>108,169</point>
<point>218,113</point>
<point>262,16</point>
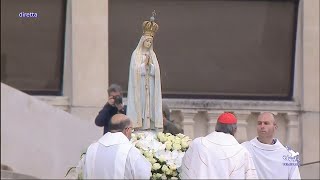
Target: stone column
<point>282,130</point>
<point>201,124</point>
<point>88,63</point>
<point>310,93</point>
<point>293,135</point>
<point>241,134</point>
<point>188,123</point>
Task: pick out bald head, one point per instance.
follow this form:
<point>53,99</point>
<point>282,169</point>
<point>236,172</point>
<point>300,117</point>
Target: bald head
<point>117,118</point>
<point>267,116</point>
<point>119,122</point>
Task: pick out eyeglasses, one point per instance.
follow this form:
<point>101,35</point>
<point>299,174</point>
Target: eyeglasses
<point>132,130</point>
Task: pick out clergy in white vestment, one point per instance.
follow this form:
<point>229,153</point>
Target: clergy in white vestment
<point>114,157</point>
<point>218,155</point>
<point>271,158</point>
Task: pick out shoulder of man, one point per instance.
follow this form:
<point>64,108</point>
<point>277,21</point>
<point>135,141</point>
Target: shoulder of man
<point>196,142</point>
<point>135,150</point>
<point>246,144</point>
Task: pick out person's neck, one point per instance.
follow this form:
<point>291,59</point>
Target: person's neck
<point>265,140</point>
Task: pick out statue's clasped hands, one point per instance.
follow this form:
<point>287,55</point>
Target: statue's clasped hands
<point>147,60</point>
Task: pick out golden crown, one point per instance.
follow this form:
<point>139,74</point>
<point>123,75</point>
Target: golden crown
<point>150,27</point>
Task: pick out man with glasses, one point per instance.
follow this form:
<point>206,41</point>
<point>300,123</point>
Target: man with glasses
<point>114,157</point>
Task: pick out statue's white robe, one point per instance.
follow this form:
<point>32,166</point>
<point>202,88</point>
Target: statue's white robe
<point>145,95</point>
<point>114,157</point>
<point>273,161</point>
<point>217,156</point>
<point>136,99</point>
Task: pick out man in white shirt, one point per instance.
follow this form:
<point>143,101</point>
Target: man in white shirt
<point>218,155</point>
<point>114,157</point>
<point>272,160</point>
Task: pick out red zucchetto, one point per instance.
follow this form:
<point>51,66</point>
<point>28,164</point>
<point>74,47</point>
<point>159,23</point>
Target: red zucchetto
<point>227,118</point>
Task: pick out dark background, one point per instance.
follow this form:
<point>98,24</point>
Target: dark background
<point>234,49</point>
<point>32,49</point>
<point>210,48</point>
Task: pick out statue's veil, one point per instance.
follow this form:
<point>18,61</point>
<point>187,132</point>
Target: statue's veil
<point>134,106</point>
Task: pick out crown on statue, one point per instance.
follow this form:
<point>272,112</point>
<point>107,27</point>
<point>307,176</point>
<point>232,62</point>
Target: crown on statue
<point>150,27</point>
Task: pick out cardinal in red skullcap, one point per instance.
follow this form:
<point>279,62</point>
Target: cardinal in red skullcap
<point>218,155</point>
<point>227,118</point>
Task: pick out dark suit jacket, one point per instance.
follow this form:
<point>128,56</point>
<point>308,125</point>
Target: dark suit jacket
<point>104,117</point>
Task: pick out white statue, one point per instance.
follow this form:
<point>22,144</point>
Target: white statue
<point>144,87</point>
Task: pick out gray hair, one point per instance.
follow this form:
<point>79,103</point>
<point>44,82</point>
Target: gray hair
<point>114,88</point>
<point>226,128</point>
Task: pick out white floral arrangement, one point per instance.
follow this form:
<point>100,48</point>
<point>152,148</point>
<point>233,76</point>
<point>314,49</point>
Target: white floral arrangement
<point>163,150</point>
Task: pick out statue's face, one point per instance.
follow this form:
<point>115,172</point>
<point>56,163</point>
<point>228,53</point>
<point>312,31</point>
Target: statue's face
<point>148,42</point>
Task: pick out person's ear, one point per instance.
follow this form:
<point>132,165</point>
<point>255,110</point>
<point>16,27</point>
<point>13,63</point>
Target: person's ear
<point>234,131</point>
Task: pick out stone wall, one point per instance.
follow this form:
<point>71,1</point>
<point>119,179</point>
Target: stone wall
<point>38,139</point>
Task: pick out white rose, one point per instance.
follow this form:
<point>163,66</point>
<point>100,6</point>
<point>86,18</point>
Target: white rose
<point>170,138</point>
<point>158,175</point>
<point>153,160</point>
<point>173,167</point>
<point>140,136</point>
<point>174,177</point>
<point>148,154</point>
<point>174,173</point>
<point>156,166</point>
<point>184,144</point>
<point>168,147</point>
<point>153,176</point>
<point>181,135</point>
<point>169,172</point>
<point>168,142</point>
<point>148,159</point>
<point>177,138</point>
<point>176,146</point>
<point>164,168</point>
<point>138,145</point>
<point>186,138</point>
<point>161,158</point>
<point>160,134</point>
<point>163,176</point>
<point>163,139</point>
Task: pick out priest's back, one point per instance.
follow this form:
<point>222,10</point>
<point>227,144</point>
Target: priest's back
<point>114,157</point>
<point>217,156</point>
